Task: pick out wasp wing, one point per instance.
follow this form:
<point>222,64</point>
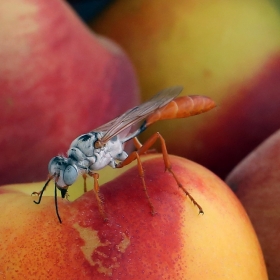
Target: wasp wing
<point>138,113</point>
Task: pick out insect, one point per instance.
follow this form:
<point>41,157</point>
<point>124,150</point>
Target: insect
<point>104,145</point>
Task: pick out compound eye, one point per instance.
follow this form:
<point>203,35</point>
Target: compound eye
<point>70,174</point>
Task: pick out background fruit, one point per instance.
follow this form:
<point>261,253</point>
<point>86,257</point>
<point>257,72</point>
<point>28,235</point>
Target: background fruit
<point>176,243</point>
<point>228,50</point>
<point>57,81</point>
<point>255,181</point>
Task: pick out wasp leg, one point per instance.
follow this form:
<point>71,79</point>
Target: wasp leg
<point>138,145</point>
<point>66,196</point>
<point>135,155</point>
<point>99,200</point>
<point>145,147</point>
<point>85,182</point>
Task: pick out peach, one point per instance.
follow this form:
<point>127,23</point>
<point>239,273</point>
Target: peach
<point>228,50</point>
<point>57,80</point>
<point>176,243</point>
<point>255,181</point>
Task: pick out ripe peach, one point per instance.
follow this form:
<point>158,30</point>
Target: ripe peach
<point>57,80</point>
<point>228,50</point>
<point>255,181</point>
<point>176,243</point>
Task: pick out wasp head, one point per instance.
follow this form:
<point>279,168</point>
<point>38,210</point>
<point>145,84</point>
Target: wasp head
<point>64,171</point>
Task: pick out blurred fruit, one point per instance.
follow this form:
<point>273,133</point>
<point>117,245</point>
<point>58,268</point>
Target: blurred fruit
<point>176,243</point>
<point>256,182</point>
<point>57,80</point>
<point>228,50</point>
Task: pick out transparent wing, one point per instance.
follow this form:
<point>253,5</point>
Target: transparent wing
<point>138,113</point>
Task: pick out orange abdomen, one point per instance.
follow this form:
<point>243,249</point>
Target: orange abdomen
<point>182,107</point>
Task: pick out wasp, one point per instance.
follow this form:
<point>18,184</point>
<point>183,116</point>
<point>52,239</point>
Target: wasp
<point>104,145</point>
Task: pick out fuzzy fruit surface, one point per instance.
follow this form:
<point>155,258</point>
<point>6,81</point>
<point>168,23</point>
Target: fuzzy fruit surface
<point>176,243</point>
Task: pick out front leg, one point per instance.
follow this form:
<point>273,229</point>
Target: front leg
<point>96,188</point>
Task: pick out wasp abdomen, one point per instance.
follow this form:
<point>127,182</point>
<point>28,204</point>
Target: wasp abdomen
<point>182,107</point>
